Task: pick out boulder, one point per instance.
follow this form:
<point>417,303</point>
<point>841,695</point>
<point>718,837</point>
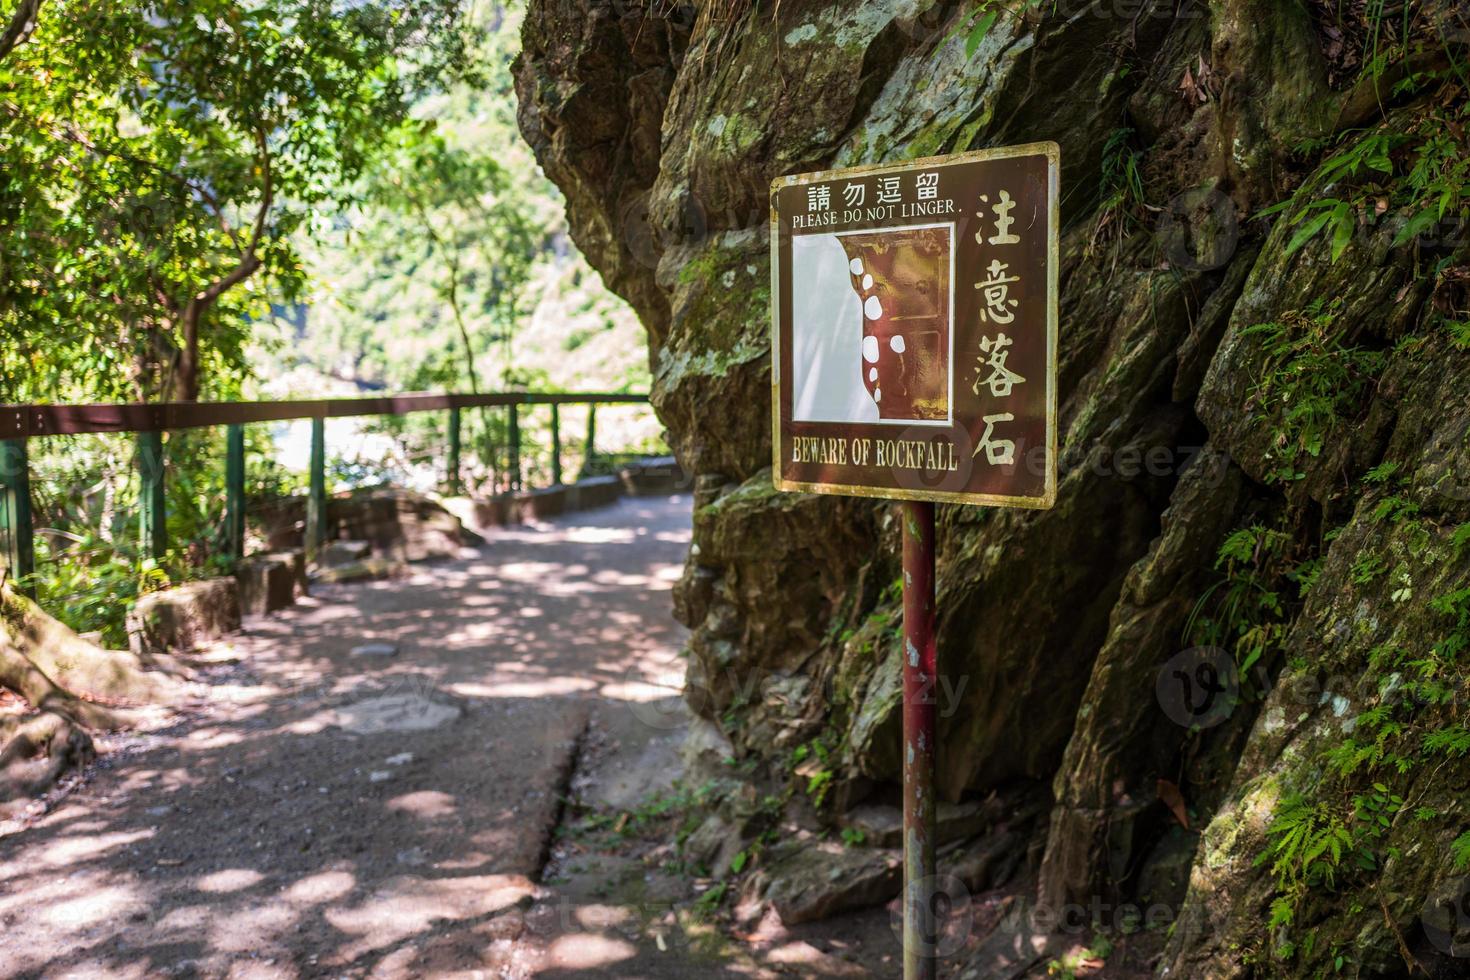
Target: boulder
<point>401,525</point>
<point>367,570</point>
<point>266,584</point>
<point>655,476</point>
<point>882,826</point>
<point>295,559</point>
<point>810,880</point>
<point>335,553</point>
<point>185,617</point>
<point>714,845</point>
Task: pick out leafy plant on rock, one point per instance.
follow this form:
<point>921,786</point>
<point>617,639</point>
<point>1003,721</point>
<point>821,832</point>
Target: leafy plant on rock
<point>1312,382</point>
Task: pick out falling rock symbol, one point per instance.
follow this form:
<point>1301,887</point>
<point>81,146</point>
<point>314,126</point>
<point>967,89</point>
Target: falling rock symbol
<point>901,279</point>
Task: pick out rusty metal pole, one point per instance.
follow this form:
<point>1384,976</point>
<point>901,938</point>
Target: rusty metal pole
<point>920,919</point>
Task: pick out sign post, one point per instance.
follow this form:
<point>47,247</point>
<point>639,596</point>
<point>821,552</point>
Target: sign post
<point>920,668</point>
<point>914,334</point>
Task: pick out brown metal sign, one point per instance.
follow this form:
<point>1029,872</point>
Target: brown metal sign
<point>914,319</point>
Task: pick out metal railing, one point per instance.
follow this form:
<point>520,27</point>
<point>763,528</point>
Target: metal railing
<point>21,423</point>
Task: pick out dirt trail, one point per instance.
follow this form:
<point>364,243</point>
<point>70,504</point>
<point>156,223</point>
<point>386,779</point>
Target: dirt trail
<point>336,814</point>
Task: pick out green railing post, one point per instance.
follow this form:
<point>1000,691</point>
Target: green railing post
<point>153,519</point>
<point>555,444</point>
<point>20,538</point>
<point>515,446</point>
<point>591,448</point>
<point>316,500</point>
<point>455,486</point>
<point>235,491</point>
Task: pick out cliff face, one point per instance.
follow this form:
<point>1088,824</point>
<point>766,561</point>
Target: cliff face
<point>1248,610</point>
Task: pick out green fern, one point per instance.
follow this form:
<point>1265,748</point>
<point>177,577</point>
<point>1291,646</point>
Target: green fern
<point>1460,851</point>
<point>1453,741</point>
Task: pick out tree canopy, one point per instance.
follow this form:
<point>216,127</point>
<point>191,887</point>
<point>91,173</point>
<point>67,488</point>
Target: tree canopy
<point>157,161</point>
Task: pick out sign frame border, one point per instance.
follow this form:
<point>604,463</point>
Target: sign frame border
<point>1049,149</point>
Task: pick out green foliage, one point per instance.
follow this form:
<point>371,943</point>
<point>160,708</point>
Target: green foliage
<point>817,785</point>
<point>437,247</point>
<point>158,159</point>
<point>1369,155</point>
<point>1121,201</point>
<point>1308,841</point>
<point>85,496</point>
<point>1460,852</point>
<point>1453,741</point>
<point>1367,566</point>
<point>346,185</point>
<point>1459,331</point>
<point>1122,181</point>
<point>1456,606</point>
<point>1248,611</point>
<point>711,899</point>
<point>1421,171</point>
<point>976,23</point>
<point>449,268</point>
<point>1084,959</point>
<point>1342,826</point>
<point>818,776</point>
<point>1311,383</point>
<point>93,591</point>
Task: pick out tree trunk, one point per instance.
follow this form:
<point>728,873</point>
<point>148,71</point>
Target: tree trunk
<point>186,381</point>
<point>62,677</point>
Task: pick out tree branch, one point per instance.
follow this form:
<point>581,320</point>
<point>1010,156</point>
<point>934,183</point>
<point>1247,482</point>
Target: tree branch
<point>22,23</point>
<point>249,258</point>
<point>187,362</point>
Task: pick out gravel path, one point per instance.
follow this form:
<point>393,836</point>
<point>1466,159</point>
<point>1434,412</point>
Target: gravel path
<point>326,813</point>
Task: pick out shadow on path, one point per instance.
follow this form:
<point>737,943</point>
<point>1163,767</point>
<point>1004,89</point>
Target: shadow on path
<point>331,814</point>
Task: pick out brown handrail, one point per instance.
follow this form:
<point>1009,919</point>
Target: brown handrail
<point>20,423</point>
<point>30,421</point>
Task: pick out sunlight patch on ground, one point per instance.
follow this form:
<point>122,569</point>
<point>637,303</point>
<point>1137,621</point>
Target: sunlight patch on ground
<point>395,713</point>
<point>186,922</point>
<point>587,951</point>
<point>653,689</point>
<point>551,686</point>
<point>95,906</point>
<point>598,535</point>
<point>229,880</point>
<point>70,849</point>
<point>631,580</point>
<point>521,571</point>
<point>243,929</point>
<point>214,738</point>
<point>323,887</point>
<point>472,633</point>
<point>405,906</point>
<point>428,804</point>
<point>802,954</point>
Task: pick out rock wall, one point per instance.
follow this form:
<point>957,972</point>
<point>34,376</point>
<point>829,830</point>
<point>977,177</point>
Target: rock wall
<point>1265,473</point>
